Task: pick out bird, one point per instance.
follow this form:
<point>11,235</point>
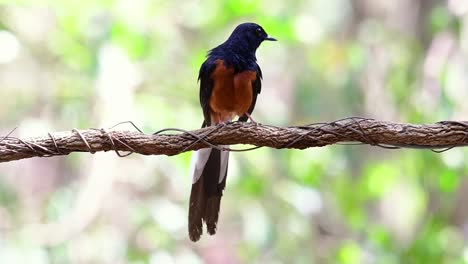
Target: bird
<point>230,80</point>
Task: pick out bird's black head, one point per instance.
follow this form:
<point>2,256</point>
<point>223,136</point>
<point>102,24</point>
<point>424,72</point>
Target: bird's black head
<point>249,36</point>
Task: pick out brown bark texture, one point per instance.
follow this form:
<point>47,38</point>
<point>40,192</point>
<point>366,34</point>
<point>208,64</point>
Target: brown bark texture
<point>438,137</point>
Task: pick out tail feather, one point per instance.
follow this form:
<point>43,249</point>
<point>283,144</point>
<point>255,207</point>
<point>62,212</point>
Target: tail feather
<point>213,203</point>
<point>205,197</point>
<point>197,200</point>
<point>212,213</point>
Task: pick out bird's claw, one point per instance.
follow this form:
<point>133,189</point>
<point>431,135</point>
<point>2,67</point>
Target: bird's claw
<point>252,120</point>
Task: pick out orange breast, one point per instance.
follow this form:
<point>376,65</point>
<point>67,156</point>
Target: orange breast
<point>232,93</point>
<point>243,91</point>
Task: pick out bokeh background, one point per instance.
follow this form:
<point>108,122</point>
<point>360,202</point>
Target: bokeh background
<point>80,64</point>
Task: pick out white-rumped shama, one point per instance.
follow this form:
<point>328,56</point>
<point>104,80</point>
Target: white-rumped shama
<point>230,80</point>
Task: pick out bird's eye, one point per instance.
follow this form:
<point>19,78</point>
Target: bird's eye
<point>259,30</point>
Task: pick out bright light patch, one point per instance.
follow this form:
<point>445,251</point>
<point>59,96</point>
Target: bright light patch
<point>308,29</point>
<point>453,158</point>
<point>161,257</point>
<point>458,7</point>
<point>401,209</point>
<point>465,255</point>
<point>168,215</point>
<point>256,224</point>
<point>306,200</point>
<point>9,47</point>
<point>456,79</point>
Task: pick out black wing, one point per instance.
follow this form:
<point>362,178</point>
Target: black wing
<point>257,88</point>
<point>206,87</point>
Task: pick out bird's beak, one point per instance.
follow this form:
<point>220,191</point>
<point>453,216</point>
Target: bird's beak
<point>270,38</point>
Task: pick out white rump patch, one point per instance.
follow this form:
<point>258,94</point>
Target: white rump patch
<point>223,165</point>
<point>197,163</point>
<point>200,157</point>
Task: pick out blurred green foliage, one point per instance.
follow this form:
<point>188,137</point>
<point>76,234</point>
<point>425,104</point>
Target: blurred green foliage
<point>67,64</point>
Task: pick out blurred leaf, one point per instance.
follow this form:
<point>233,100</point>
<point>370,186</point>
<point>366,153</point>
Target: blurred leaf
<point>8,198</point>
<point>380,177</point>
<point>242,7</point>
<point>133,42</point>
<point>252,185</point>
<point>440,19</point>
<point>355,56</point>
<point>449,180</point>
<point>349,253</point>
<point>380,236</point>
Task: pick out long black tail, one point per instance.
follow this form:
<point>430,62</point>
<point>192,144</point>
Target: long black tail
<point>205,197</point>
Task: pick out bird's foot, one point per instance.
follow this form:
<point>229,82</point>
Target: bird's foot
<point>251,119</point>
<point>222,123</point>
